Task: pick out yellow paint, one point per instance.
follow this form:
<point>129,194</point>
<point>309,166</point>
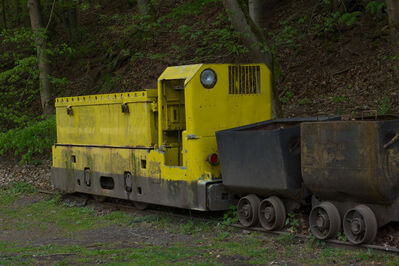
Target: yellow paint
<point>99,120</point>
<point>176,123</point>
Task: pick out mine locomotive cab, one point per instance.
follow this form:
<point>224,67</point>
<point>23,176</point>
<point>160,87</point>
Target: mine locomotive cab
<point>159,146</point>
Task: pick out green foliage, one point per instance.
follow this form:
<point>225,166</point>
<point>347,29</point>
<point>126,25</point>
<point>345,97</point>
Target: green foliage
<point>338,99</point>
<point>287,96</point>
<point>375,6</point>
<point>20,187</point>
<point>209,37</point>
<point>336,21</point>
<point>222,235</point>
<point>18,88</point>
<point>219,38</point>
<point>314,242</point>
<point>230,216</point>
<point>119,217</point>
<point>341,237</point>
<point>304,101</point>
<point>292,222</point>
<point>108,82</point>
<point>19,76</point>
<point>385,106</point>
<point>287,35</point>
<point>191,8</point>
<point>349,18</point>
<point>286,239</point>
<point>35,138</point>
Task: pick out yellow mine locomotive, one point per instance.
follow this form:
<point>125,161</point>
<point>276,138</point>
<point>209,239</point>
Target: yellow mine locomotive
<point>158,146</point>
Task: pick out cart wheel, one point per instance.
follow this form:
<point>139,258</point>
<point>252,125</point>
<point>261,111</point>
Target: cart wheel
<point>247,210</point>
<point>272,213</point>
<point>360,225</point>
<point>140,205</point>
<point>324,220</point>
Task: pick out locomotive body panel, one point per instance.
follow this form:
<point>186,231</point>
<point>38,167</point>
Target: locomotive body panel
<point>158,140</point>
<point>120,119</point>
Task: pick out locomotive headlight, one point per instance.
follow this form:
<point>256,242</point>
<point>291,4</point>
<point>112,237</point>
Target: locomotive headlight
<point>208,78</point>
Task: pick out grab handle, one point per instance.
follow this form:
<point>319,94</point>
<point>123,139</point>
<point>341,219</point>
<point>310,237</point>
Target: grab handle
<point>392,141</point>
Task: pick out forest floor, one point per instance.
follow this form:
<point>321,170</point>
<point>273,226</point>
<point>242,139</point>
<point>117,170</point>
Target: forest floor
<point>49,229</point>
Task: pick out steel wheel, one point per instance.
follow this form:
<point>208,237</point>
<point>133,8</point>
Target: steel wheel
<point>140,205</point>
<point>360,225</point>
<point>324,220</point>
<point>272,213</point>
<point>247,210</point>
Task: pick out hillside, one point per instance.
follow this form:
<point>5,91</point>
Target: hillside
<point>328,61</point>
<point>324,66</point>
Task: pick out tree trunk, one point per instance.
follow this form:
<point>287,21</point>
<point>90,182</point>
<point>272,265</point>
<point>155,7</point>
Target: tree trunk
<point>143,7</point>
<point>3,6</point>
<point>255,11</point>
<point>253,39</point>
<point>18,10</point>
<point>69,18</point>
<point>42,57</point>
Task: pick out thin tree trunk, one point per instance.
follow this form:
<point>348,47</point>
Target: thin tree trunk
<point>18,11</point>
<point>3,6</point>
<point>252,37</point>
<point>255,11</point>
<point>69,18</point>
<point>72,19</point>
<point>42,57</point>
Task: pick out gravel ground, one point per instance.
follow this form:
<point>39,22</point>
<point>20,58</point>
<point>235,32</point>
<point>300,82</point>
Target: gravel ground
<point>38,175</point>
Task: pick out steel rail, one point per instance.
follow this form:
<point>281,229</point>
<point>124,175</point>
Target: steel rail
<point>330,242</point>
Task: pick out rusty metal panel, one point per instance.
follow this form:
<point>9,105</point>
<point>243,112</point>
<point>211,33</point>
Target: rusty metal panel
<point>352,160</point>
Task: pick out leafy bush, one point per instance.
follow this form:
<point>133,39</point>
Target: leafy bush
<point>33,139</point>
<point>19,76</point>
<point>230,216</point>
<point>336,22</point>
<point>375,6</point>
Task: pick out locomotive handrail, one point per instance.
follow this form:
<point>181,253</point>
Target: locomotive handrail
<point>392,141</point>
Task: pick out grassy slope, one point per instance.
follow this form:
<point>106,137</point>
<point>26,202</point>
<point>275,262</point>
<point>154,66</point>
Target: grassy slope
<point>324,64</point>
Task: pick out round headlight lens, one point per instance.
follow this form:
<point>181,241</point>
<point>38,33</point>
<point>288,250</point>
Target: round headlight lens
<point>208,78</point>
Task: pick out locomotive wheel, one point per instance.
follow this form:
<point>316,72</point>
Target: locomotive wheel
<point>324,220</point>
<point>247,210</point>
<point>272,213</point>
<point>360,225</point>
<point>140,205</point>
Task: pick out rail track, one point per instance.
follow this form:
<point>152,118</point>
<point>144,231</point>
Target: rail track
<point>122,205</point>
